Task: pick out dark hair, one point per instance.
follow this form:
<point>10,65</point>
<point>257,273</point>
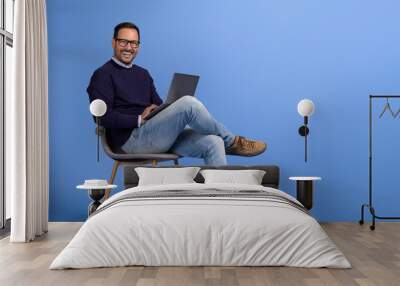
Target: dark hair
<point>128,25</point>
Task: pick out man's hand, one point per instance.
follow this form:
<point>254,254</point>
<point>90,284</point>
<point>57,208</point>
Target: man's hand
<point>147,111</point>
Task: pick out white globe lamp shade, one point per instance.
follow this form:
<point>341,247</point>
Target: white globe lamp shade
<point>305,107</point>
<point>98,107</point>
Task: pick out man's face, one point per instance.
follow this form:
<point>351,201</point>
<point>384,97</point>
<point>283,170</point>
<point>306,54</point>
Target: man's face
<point>126,45</point>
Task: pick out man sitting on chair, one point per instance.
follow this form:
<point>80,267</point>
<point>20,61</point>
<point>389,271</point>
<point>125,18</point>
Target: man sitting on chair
<point>185,128</point>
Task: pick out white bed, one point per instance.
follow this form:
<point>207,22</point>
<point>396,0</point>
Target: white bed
<point>185,230</point>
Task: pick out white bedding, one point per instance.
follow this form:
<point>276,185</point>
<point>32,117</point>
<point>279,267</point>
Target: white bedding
<point>226,231</point>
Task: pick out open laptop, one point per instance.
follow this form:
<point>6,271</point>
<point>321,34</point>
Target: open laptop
<point>181,85</point>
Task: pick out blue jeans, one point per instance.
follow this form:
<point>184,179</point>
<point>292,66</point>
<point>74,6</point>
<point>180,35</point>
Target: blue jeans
<point>185,128</point>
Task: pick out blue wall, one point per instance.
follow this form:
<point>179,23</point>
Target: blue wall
<point>256,59</point>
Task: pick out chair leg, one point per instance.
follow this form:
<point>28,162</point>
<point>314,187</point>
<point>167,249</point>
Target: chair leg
<point>111,180</point>
<point>154,163</point>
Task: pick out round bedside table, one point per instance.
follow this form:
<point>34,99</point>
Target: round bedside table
<point>96,190</point>
<point>304,187</point>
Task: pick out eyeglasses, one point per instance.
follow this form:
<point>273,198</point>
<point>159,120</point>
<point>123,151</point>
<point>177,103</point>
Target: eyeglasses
<point>124,43</point>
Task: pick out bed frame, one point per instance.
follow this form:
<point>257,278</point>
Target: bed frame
<point>270,179</point>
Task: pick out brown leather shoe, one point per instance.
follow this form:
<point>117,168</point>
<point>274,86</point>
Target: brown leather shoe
<point>245,147</point>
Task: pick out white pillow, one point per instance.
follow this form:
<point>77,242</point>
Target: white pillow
<point>248,177</point>
<point>165,176</point>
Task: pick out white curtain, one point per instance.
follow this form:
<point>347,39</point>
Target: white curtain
<point>27,124</point>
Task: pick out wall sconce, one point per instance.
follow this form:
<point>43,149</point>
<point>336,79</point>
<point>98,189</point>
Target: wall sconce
<point>98,108</point>
<point>305,108</point>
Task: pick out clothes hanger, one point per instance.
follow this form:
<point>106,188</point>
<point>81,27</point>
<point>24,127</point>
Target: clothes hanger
<point>396,113</point>
<point>387,107</point>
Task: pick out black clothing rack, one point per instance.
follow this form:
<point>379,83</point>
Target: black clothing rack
<point>370,205</point>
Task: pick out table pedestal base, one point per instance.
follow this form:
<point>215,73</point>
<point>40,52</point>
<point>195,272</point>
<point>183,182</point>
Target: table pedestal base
<point>96,195</point>
<point>305,193</point>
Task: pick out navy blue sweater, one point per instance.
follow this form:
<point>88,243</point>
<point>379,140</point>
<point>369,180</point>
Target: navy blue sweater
<point>127,92</point>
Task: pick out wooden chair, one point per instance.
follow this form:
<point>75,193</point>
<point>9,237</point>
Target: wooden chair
<point>121,158</point>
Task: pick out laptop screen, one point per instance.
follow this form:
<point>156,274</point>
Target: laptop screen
<point>181,85</point>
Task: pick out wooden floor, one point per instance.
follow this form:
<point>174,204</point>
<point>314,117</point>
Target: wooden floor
<point>375,257</point>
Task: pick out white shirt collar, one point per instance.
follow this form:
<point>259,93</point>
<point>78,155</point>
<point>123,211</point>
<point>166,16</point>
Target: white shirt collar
<point>121,63</point>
